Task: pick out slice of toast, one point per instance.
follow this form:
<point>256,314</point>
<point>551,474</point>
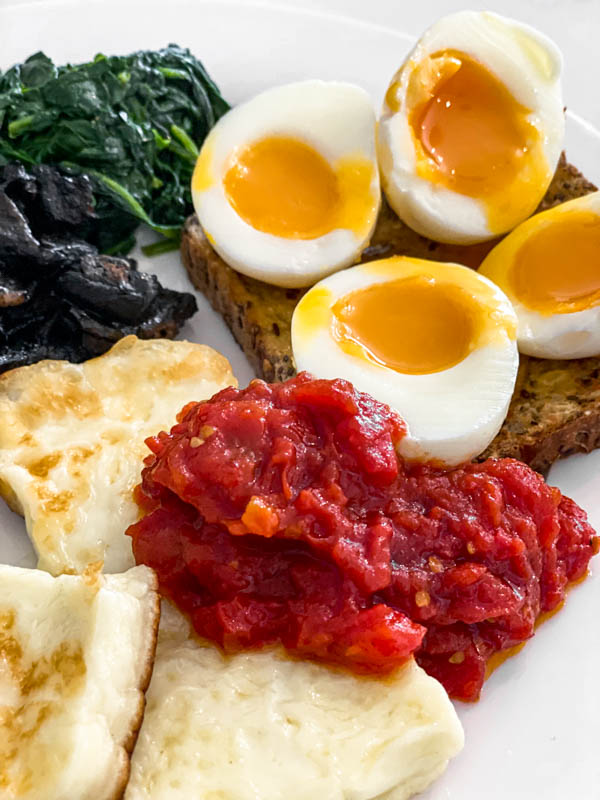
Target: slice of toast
<point>555,409</point>
<point>260,724</point>
<point>72,442</point>
<point>76,656</point>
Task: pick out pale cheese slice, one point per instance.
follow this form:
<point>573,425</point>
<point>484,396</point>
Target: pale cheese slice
<point>72,442</point>
<point>262,726</point>
<point>255,726</point>
<point>76,654</point>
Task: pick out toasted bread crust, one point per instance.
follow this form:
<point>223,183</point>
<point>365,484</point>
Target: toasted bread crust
<point>555,409</point>
<point>554,412</point>
<point>259,315</point>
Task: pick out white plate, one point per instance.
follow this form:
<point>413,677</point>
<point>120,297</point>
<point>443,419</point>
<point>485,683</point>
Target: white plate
<point>537,728</point>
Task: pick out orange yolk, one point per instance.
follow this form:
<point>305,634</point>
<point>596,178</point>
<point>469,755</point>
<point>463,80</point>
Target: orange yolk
<point>472,132</point>
<point>557,269</point>
<point>284,187</point>
<point>414,325</point>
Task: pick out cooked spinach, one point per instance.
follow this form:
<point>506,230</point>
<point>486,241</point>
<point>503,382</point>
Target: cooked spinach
<point>132,124</point>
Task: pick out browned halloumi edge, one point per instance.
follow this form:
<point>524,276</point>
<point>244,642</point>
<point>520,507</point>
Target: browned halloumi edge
<point>146,667</point>
<point>555,410</point>
<point>72,442</point>
<point>78,653</point>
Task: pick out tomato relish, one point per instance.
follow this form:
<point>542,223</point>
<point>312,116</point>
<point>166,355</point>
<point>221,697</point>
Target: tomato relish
<point>282,513</point>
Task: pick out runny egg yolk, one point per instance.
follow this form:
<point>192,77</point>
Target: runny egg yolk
<point>557,269</point>
<point>471,135</point>
<point>284,187</point>
<point>414,325</point>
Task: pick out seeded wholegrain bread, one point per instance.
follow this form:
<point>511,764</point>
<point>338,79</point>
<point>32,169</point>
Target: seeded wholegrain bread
<point>555,411</point>
<point>556,405</point>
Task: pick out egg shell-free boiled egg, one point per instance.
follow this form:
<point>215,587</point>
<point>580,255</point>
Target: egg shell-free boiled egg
<point>436,342</point>
<point>549,267</point>
<point>472,128</point>
<point>286,186</point>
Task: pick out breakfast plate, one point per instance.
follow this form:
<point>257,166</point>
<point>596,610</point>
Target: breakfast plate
<point>535,728</point>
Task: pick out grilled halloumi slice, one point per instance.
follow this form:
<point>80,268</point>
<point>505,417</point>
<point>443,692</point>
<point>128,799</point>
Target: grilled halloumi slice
<point>260,725</point>
<point>254,726</point>
<point>72,442</point>
<point>76,654</point>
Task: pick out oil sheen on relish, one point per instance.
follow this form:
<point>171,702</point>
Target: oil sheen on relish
<point>282,513</point>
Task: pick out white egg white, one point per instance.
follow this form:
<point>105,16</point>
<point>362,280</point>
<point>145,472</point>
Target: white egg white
<point>451,415</point>
<point>571,335</point>
<point>337,120</point>
<point>527,63</point>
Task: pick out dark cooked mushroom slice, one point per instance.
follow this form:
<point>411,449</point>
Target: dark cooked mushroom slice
<point>13,292</point>
<point>17,243</point>
<point>59,297</point>
<point>164,318</point>
<point>41,328</point>
<point>31,352</point>
<point>97,336</point>
<point>110,286</point>
<point>17,182</point>
<point>66,201</point>
<point>33,321</point>
<point>52,201</point>
<point>167,314</point>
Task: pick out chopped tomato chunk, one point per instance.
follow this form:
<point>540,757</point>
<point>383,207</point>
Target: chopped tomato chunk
<point>282,513</point>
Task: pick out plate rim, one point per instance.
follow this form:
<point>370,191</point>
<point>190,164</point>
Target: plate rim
<point>268,6</point>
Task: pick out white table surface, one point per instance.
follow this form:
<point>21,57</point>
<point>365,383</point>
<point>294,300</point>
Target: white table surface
<point>573,24</point>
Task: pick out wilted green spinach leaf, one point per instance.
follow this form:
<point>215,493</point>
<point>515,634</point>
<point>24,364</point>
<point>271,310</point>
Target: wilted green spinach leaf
<point>132,123</point>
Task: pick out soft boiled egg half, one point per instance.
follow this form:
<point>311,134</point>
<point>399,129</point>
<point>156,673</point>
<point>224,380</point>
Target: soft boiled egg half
<point>286,186</point>
<point>472,128</point>
<point>436,342</point>
<point>550,269</point>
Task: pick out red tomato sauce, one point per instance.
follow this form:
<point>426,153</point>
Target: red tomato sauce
<point>282,513</point>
